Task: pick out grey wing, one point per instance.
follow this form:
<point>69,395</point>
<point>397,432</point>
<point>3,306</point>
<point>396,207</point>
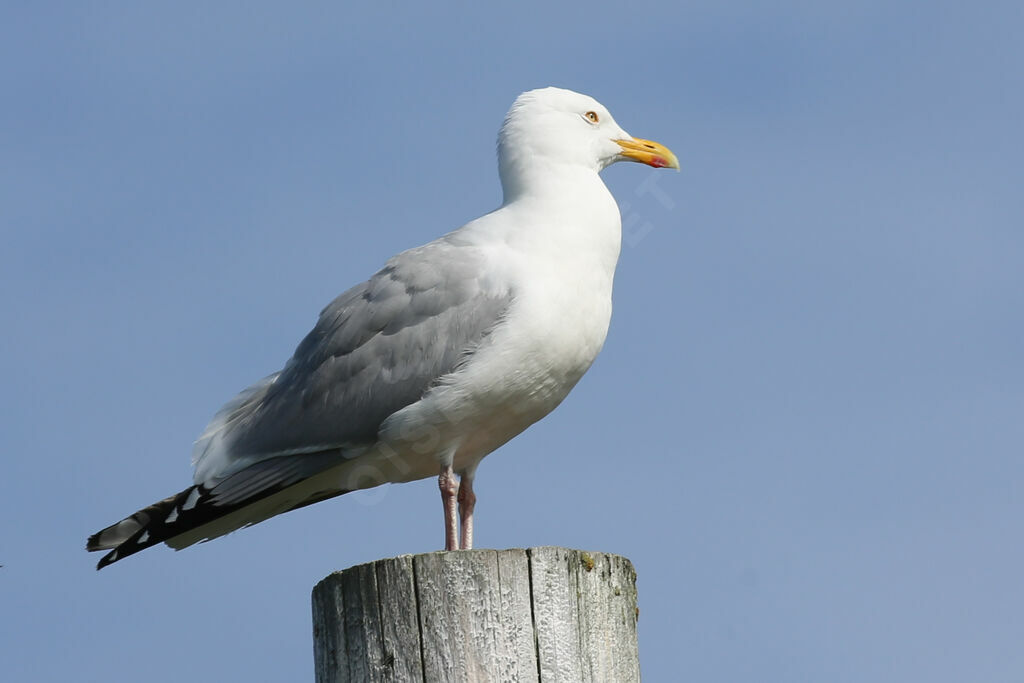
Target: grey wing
<point>375,349</point>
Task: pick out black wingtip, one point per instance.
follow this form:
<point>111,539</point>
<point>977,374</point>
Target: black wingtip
<point>138,531</point>
<point>109,558</point>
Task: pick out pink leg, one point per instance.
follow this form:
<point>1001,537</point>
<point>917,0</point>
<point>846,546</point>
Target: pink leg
<point>467,501</point>
<point>449,491</point>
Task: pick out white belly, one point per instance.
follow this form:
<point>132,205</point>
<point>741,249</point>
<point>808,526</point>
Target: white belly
<point>560,271</point>
<point>524,370</point>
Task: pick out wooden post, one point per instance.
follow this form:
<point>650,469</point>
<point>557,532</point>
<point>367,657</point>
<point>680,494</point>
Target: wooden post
<point>544,614</point>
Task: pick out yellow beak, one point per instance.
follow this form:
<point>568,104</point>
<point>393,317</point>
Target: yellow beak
<point>648,152</point>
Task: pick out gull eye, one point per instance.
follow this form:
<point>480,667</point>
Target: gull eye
<point>592,116</point>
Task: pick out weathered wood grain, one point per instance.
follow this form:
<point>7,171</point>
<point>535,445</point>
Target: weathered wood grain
<point>539,615</point>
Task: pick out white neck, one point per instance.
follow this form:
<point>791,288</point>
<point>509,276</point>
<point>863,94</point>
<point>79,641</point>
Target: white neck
<point>540,178</point>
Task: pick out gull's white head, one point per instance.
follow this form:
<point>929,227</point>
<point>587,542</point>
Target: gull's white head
<point>552,127</point>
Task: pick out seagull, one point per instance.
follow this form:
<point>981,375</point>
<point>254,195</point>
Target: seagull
<point>444,355</point>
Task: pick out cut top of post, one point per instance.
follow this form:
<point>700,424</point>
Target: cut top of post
<point>544,614</point>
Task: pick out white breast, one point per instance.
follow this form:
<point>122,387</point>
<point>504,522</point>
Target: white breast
<point>560,264</point>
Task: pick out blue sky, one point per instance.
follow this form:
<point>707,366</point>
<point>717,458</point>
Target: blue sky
<point>804,429</point>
